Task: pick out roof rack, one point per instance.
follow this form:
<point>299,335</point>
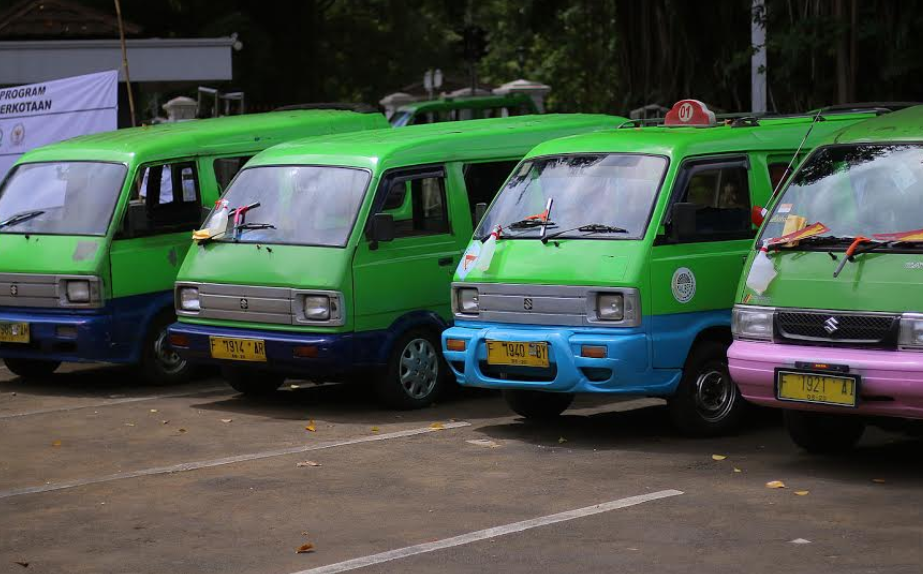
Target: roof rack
<point>358,108</point>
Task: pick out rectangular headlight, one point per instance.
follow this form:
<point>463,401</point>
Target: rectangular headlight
<point>610,306</point>
<point>911,332</point>
<point>317,307</point>
<point>753,323</point>
<point>78,291</point>
<point>189,299</point>
<point>467,298</point>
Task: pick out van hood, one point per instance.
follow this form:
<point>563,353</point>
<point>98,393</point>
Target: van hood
<point>876,281</point>
<point>54,254</point>
<point>559,262</point>
<point>295,266</point>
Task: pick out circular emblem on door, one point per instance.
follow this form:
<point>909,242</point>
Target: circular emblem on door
<point>244,304</point>
<point>14,290</point>
<point>683,285</point>
<point>527,303</point>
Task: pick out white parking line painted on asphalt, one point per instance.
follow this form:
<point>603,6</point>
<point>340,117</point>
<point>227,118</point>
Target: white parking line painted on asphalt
<point>111,402</point>
<point>488,533</point>
<point>197,465</point>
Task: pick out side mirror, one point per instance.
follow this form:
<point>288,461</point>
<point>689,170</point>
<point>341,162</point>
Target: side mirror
<point>757,215</point>
<point>683,221</point>
<point>137,220</point>
<point>382,229</point>
<point>479,210</point>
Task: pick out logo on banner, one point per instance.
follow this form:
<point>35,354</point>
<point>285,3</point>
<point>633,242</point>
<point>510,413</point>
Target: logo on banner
<point>18,135</point>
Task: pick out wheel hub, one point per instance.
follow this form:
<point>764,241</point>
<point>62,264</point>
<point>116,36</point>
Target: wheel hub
<point>419,368</point>
<point>714,395</point>
<point>169,360</point>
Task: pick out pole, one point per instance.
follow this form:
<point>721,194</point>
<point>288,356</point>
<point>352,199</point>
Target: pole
<point>758,59</point>
<point>131,97</point>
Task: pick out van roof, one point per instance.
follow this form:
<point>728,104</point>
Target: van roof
<point>430,143</point>
<point>251,132</point>
<point>903,126</point>
<point>763,134</point>
<point>465,102</point>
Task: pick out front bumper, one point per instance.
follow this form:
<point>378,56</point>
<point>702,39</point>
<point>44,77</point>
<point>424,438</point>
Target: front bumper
<point>625,370</point>
<point>59,335</point>
<point>335,352</point>
<point>892,381</point>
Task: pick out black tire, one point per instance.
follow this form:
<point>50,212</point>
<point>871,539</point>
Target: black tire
<point>31,368</point>
<point>160,365</point>
<point>537,405</point>
<point>707,402</point>
<point>820,433</point>
<point>252,382</point>
<point>416,374</point>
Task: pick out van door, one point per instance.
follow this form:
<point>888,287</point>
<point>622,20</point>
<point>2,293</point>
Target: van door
<point>164,208</point>
<point>697,276</point>
<point>412,272</point>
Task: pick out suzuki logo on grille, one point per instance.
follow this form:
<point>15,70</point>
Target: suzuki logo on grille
<point>14,290</point>
<point>244,304</point>
<point>831,325</point>
<point>527,304</point>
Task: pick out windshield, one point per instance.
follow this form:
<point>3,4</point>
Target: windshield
<point>854,190</point>
<point>302,205</point>
<point>400,119</point>
<point>60,198</point>
<point>589,191</point>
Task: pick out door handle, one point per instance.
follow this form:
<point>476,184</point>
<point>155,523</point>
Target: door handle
<point>445,261</point>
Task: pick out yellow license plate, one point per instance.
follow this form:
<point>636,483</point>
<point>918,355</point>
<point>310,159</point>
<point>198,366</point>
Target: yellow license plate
<point>517,354</point>
<point>14,332</point>
<point>238,349</point>
<point>822,389</point>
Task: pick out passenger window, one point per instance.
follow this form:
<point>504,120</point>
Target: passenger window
<point>169,197</point>
<point>226,168</point>
<point>418,206</point>
<point>721,194</point>
<point>483,181</point>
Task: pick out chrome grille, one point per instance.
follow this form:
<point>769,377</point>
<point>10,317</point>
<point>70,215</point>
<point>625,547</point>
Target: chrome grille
<point>41,290</point>
<point>838,328</point>
<point>258,304</point>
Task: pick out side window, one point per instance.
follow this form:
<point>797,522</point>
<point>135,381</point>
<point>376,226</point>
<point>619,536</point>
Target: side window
<point>721,194</point>
<point>776,173</point>
<point>168,195</point>
<point>226,168</point>
<point>418,205</point>
<point>483,181</point>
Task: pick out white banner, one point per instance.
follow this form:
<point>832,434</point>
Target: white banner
<point>39,114</point>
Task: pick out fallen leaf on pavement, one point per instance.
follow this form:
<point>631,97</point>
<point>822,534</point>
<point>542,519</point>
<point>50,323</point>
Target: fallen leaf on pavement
<point>153,410</point>
<point>374,429</point>
<point>737,470</point>
<point>311,427</point>
<point>775,484</point>
<point>23,564</point>
<point>164,422</point>
<point>437,426</point>
<point>226,420</point>
<point>562,440</point>
<point>799,541</point>
<point>304,548</point>
<point>56,443</point>
<point>879,480</point>
<point>129,424</point>
<point>308,463</point>
<point>484,442</point>
<point>718,457</point>
<point>181,430</point>
<point>802,492</point>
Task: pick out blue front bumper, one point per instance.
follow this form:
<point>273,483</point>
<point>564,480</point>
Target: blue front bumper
<point>58,335</point>
<point>625,370</point>
<point>336,353</point>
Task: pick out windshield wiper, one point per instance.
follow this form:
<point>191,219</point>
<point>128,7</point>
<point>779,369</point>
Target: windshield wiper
<point>815,240</point>
<point>250,226</point>
<point>588,228</point>
<point>21,217</point>
<point>871,245</point>
<point>540,220</point>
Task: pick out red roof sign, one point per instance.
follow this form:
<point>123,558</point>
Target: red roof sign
<point>690,113</point>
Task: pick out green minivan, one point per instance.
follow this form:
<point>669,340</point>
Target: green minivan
<point>608,264</point>
<point>93,231</point>
<point>341,264</point>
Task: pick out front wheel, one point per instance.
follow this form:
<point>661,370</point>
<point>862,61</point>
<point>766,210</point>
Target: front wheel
<point>252,381</point>
<point>707,402</point>
<point>822,433</point>
<point>31,368</point>
<point>160,363</point>
<point>537,405</point>
<point>416,373</point>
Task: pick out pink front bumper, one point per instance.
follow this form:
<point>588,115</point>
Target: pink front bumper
<point>892,381</point>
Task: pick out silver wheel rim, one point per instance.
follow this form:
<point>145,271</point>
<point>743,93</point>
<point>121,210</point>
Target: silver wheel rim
<point>714,395</point>
<point>419,368</point>
<point>169,360</point>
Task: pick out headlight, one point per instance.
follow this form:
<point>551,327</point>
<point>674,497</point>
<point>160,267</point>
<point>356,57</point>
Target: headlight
<point>753,323</point>
<point>317,307</point>
<point>189,299</point>
<point>467,298</point>
<point>610,306</point>
<point>911,333</point>
<point>78,291</point>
